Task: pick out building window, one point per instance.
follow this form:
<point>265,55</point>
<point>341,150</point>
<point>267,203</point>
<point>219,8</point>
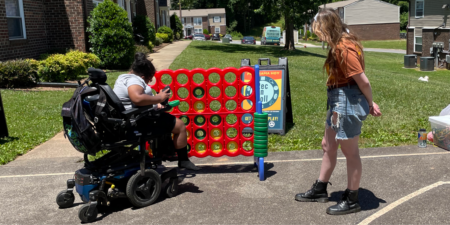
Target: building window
<point>96,2</point>
<point>418,40</point>
<point>197,21</point>
<point>217,19</point>
<point>419,8</point>
<point>182,20</point>
<point>217,30</point>
<point>198,30</point>
<point>15,18</point>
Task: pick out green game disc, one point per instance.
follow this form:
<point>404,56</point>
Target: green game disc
<point>261,129</point>
<point>260,150</point>
<point>261,124</point>
<point>261,116</point>
<point>260,155</point>
<point>259,120</point>
<point>258,133</point>
<point>215,120</point>
<point>262,142</point>
<point>261,137</point>
<point>260,146</point>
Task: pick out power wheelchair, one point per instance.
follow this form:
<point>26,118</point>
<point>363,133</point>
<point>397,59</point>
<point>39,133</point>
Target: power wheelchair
<point>124,172</point>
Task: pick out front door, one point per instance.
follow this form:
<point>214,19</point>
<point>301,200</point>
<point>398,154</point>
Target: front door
<point>189,31</point>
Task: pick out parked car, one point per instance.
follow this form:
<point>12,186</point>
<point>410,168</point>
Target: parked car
<point>199,37</point>
<point>207,36</point>
<point>248,40</point>
<point>228,36</point>
<point>215,37</point>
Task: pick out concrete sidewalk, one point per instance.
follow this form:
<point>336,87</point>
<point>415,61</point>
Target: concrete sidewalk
<point>400,185</point>
<point>397,51</point>
<point>165,56</point>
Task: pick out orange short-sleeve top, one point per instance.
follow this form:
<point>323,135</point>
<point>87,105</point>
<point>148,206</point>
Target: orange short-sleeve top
<point>349,62</point>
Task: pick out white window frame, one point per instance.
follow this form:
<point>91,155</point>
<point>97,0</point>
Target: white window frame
<point>96,2</point>
<point>215,30</point>
<point>195,21</point>
<point>215,21</point>
<point>423,8</point>
<point>22,16</point>
<point>415,43</point>
<point>200,29</point>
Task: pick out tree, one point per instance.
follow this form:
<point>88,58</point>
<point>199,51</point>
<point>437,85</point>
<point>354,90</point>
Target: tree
<point>294,12</point>
<point>176,25</point>
<point>111,35</point>
<point>143,26</point>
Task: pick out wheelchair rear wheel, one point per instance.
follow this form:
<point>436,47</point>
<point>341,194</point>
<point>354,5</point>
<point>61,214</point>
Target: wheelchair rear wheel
<point>144,191</point>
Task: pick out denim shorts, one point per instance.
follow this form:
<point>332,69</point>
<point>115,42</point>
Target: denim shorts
<point>351,107</point>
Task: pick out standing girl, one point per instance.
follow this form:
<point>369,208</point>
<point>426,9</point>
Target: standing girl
<point>349,102</point>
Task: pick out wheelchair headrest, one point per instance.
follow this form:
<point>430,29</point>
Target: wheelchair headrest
<point>97,76</point>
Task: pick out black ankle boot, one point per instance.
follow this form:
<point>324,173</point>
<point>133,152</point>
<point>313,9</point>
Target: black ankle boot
<point>348,204</point>
<point>317,193</point>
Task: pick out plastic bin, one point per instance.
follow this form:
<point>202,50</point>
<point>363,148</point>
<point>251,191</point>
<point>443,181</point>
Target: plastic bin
<point>440,126</point>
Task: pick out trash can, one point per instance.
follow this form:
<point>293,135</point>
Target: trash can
<point>225,40</point>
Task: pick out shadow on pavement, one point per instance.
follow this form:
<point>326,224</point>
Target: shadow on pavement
<point>228,169</point>
<point>367,199</point>
<point>266,50</point>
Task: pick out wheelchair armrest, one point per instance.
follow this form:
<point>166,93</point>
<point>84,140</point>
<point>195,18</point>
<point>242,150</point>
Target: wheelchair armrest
<point>137,111</point>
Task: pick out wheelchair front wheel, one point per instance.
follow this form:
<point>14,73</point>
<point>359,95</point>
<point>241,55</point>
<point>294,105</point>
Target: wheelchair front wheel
<point>65,199</point>
<point>171,188</point>
<point>143,191</point>
<point>83,214</point>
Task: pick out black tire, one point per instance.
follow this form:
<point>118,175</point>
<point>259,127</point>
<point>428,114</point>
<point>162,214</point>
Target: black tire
<point>171,189</point>
<point>144,191</point>
<point>82,214</point>
<point>65,199</point>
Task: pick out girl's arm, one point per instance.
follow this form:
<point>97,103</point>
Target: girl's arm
<point>366,89</point>
<point>139,98</point>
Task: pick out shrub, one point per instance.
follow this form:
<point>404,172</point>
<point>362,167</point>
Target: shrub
<point>158,41</point>
<point>205,31</point>
<point>143,26</point>
<point>168,31</point>
<point>143,49</point>
<point>18,73</point>
<point>163,36</point>
<point>150,45</point>
<point>111,35</point>
<point>59,67</point>
<point>177,36</point>
<point>176,25</point>
<point>236,34</point>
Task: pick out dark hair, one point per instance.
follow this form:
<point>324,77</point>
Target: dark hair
<point>142,66</point>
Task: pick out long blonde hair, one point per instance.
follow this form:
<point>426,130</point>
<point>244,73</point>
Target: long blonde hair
<point>329,27</point>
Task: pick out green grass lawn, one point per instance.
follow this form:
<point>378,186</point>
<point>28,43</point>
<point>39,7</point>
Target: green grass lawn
<point>33,117</point>
<point>393,44</point>
<point>405,102</point>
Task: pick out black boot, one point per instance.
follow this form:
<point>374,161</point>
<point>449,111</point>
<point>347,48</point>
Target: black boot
<point>183,160</point>
<point>348,204</point>
<point>317,193</point>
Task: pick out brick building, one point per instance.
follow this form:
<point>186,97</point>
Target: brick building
<point>196,20</point>
<point>369,19</point>
<point>428,23</point>
<point>29,28</point>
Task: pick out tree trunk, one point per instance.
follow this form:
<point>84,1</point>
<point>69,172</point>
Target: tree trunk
<point>289,42</point>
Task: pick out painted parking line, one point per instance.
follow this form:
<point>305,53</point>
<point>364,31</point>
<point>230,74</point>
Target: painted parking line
<point>247,163</point>
<point>399,202</point>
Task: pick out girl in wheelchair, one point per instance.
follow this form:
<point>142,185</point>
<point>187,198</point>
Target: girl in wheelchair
<point>133,91</point>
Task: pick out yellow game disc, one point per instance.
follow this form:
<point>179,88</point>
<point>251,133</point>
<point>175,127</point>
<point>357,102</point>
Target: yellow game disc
<point>232,146</point>
<point>188,134</point>
<point>216,133</point>
<point>216,147</point>
<point>200,147</point>
<point>199,106</point>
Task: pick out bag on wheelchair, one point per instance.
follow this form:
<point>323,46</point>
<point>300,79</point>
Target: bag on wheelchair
<point>77,128</point>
